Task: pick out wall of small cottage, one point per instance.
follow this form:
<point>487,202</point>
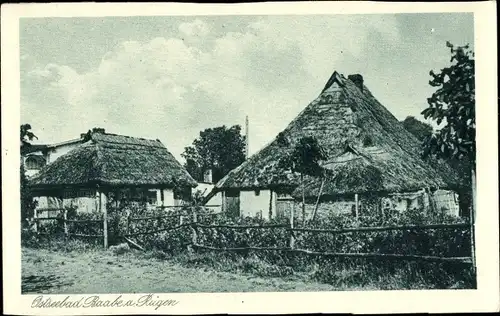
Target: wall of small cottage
<point>87,200</point>
<point>341,206</point>
<point>256,203</point>
<point>442,200</point>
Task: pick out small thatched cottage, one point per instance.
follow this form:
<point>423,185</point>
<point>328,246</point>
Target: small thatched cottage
<point>112,166</point>
<point>369,152</point>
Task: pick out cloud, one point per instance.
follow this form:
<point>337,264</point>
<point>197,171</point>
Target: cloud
<point>170,88</point>
<point>194,29</point>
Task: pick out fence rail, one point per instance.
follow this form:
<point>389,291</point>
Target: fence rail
<point>158,230</point>
<point>387,228</point>
<point>153,217</point>
<point>240,227</point>
<point>343,254</point>
<point>384,256</point>
<point>240,248</point>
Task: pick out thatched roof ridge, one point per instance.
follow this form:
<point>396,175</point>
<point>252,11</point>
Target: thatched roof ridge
<point>345,113</point>
<point>114,160</point>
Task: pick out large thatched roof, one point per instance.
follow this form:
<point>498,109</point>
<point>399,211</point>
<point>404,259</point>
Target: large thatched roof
<point>346,115</point>
<point>114,160</point>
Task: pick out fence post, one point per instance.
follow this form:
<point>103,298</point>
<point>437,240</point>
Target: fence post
<point>65,223</point>
<point>381,205</point>
<point>35,217</point>
<point>102,206</point>
<point>181,219</point>
<point>356,202</point>
<point>292,238</point>
<point>472,243</point>
<point>193,229</point>
<point>128,221</point>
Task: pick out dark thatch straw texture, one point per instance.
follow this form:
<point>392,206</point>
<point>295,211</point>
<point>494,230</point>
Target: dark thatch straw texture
<point>346,116</point>
<point>114,160</point>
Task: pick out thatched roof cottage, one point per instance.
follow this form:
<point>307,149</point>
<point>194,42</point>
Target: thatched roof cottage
<point>368,148</point>
<point>119,166</point>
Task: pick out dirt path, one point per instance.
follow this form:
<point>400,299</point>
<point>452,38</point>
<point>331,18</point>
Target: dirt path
<point>45,271</point>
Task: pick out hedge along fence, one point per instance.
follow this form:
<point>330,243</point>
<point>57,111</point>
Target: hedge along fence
<point>182,227</point>
<point>342,237</point>
<point>318,242</point>
<point>160,227</point>
<point>167,228</point>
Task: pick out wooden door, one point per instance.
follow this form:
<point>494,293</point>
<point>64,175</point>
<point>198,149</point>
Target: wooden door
<point>233,203</point>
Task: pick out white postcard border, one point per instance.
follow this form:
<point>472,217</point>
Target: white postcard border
<point>485,298</point>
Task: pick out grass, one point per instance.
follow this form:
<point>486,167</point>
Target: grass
<point>99,271</point>
<point>342,274</point>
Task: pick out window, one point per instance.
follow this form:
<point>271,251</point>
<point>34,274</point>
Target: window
<point>82,193</point>
<point>151,197</point>
<point>35,162</point>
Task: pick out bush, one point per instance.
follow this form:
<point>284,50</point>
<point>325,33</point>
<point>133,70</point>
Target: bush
<point>85,228</point>
<point>346,271</point>
<point>449,242</point>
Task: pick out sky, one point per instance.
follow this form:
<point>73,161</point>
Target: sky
<point>169,78</point>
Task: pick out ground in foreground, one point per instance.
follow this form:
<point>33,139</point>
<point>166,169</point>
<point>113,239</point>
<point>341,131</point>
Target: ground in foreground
<point>99,271</point>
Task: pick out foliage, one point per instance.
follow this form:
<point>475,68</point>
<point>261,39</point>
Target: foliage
<point>220,149</point>
<point>341,272</point>
<point>234,238</point>
<point>27,203</point>
<point>26,135</point>
<point>453,103</point>
<point>419,129</point>
<point>59,243</point>
<point>438,242</point>
<point>304,158</point>
<point>168,241</point>
<point>86,228</point>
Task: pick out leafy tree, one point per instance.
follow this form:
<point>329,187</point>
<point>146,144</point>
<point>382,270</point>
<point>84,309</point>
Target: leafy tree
<point>27,135</point>
<point>303,158</point>
<point>453,103</point>
<point>419,129</point>
<point>220,149</point>
<point>27,203</point>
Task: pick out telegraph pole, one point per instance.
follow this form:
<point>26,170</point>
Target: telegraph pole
<point>246,137</point>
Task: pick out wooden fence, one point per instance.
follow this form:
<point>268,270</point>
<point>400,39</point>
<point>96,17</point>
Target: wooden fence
<point>61,215</point>
<point>191,222</point>
<point>291,244</point>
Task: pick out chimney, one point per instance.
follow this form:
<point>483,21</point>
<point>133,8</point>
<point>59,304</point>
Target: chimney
<point>357,79</point>
<point>99,130</point>
<point>207,176</point>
